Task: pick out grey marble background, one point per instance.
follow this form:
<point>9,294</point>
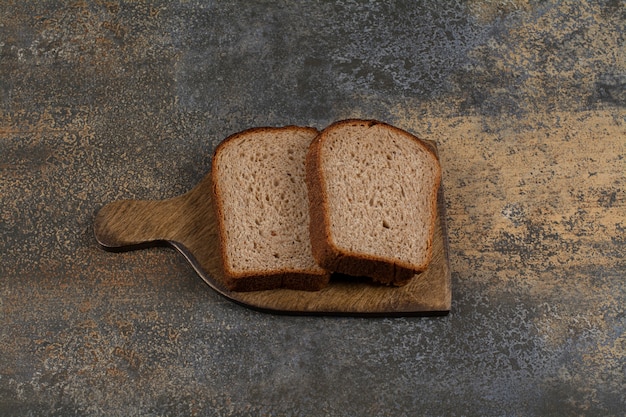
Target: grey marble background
<point>106,100</point>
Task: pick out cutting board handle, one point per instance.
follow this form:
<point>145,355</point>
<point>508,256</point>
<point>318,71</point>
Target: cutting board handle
<point>128,223</point>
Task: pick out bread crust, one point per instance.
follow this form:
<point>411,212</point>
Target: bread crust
<point>259,280</point>
<point>327,254</point>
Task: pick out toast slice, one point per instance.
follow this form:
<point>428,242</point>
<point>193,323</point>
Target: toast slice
<point>262,210</point>
<point>372,200</point>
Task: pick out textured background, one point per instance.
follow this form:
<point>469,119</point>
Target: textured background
<point>105,100</point>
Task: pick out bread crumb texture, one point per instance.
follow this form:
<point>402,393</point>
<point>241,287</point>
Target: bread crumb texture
<point>264,201</point>
<point>380,184</point>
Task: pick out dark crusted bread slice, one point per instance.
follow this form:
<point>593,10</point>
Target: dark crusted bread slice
<point>373,198</point>
<point>262,210</point>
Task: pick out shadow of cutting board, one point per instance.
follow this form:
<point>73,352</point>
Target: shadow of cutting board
<point>188,224</point>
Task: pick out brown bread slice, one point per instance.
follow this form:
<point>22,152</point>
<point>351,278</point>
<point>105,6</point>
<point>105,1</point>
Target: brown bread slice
<point>373,200</point>
<point>262,210</point>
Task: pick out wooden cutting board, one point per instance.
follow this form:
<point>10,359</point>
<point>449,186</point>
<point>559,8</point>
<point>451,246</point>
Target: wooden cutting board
<point>188,224</point>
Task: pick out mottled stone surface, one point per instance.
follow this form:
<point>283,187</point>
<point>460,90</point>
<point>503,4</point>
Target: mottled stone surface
<point>105,100</point>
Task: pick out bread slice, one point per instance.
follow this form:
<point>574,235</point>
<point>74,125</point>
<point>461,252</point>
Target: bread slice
<point>373,200</point>
<point>262,210</point>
